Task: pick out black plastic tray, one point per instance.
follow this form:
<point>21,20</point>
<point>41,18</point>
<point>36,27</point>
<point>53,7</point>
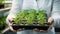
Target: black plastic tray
<point>31,27</point>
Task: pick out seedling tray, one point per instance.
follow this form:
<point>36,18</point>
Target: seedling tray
<point>45,27</point>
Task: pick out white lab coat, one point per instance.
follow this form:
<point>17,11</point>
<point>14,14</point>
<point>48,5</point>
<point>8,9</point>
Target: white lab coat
<point>18,5</point>
<point>56,13</point>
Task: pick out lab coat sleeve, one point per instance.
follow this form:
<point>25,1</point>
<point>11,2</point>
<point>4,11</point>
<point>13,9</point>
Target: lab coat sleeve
<point>56,13</point>
<point>16,7</point>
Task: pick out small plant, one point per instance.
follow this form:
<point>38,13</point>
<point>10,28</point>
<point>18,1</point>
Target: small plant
<point>2,22</point>
<point>41,16</point>
<point>20,16</point>
<point>31,16</point>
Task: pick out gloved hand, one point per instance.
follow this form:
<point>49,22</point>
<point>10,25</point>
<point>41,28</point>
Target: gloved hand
<point>11,28</point>
<point>50,21</point>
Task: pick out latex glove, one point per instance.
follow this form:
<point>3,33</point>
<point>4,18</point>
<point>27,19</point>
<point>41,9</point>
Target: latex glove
<point>11,28</point>
<point>50,21</point>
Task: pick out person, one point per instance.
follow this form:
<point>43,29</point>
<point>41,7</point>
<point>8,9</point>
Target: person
<point>18,5</point>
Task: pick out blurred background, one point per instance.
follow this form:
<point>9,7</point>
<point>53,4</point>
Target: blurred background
<point>5,6</point>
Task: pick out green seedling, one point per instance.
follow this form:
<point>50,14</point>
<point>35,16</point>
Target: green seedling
<point>2,21</point>
<point>41,17</point>
<point>20,16</point>
<point>31,17</point>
